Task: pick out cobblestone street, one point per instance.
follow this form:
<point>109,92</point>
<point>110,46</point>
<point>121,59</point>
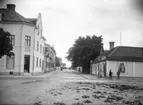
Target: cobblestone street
<point>69,88</point>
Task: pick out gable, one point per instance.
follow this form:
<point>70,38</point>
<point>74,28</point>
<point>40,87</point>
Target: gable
<point>39,22</point>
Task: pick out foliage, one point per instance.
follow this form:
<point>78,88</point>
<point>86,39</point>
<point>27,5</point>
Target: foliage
<point>58,61</point>
<point>5,43</point>
<point>84,50</point>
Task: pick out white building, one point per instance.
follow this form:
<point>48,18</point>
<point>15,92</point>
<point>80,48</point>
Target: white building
<point>127,59</point>
<point>27,40</point>
<point>79,69</point>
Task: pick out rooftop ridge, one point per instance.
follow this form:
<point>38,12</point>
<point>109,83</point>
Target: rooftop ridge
<point>13,16</point>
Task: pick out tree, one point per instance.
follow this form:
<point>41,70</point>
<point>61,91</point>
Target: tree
<point>58,61</point>
<point>84,50</point>
<point>5,43</point>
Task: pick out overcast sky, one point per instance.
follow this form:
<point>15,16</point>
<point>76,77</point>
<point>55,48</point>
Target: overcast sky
<point>66,20</point>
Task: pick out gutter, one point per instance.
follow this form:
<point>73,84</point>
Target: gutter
<point>33,50</point>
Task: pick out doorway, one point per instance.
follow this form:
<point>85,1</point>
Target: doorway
<point>104,68</point>
<point>26,63</point>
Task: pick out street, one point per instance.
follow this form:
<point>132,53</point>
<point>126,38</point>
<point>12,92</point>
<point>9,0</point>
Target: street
<point>68,88</point>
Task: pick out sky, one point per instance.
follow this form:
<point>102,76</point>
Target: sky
<point>64,21</point>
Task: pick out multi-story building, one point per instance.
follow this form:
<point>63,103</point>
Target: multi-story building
<point>50,56</point>
<point>28,42</point>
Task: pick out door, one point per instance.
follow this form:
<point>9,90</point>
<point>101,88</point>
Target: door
<point>104,68</point>
<point>26,63</point>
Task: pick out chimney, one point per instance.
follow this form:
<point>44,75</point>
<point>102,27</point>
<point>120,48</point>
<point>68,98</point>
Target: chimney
<point>11,7</point>
<point>111,44</point>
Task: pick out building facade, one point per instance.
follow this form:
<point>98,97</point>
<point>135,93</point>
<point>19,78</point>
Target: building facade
<point>28,42</point>
<point>127,60</point>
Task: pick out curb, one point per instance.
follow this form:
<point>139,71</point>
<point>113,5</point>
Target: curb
<point>86,77</point>
<point>28,77</point>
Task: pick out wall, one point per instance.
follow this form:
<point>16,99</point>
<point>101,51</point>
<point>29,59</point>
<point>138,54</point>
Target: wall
<point>20,31</point>
<point>98,68</point>
<point>94,69</point>
<point>138,69</point>
<point>14,29</point>
<point>37,54</point>
<point>29,31</point>
<point>113,65</point>
<point>50,58</point>
<point>79,69</point>
<point>132,69</point>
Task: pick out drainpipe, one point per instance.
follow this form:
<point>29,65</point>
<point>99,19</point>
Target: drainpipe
<point>33,51</point>
<point>21,47</point>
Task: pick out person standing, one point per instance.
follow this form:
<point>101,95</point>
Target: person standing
<point>118,75</point>
<point>110,74</point>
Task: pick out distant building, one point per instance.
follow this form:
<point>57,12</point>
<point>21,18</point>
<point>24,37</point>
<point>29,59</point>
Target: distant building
<point>79,69</point>
<point>27,40</point>
<point>50,58</point>
<point>129,60</point>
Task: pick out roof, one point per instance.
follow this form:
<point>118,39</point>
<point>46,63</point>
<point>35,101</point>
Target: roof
<point>122,53</point>
<point>9,15</point>
<point>106,52</point>
<point>43,38</point>
<point>32,20</point>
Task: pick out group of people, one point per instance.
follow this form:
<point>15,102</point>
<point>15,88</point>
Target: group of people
<point>110,74</point>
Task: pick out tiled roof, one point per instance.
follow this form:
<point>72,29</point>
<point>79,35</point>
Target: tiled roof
<point>128,51</point>
<point>12,16</point>
<point>106,52</point>
<point>123,53</point>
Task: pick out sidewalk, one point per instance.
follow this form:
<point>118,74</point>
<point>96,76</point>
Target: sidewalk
<point>44,75</point>
<point>124,80</point>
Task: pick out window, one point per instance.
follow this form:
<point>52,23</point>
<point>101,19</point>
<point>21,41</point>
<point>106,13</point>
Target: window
<point>27,41</point>
<point>10,62</point>
<point>37,45</point>
<point>12,38</point>
<point>33,61</point>
<point>40,48</point>
<point>121,68</point>
<point>37,62</point>
<point>38,30</point>
<point>40,62</point>
<point>43,50</point>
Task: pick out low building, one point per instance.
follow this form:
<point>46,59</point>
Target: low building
<point>127,60</point>
<point>79,69</point>
<point>27,40</point>
<point>50,58</point>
